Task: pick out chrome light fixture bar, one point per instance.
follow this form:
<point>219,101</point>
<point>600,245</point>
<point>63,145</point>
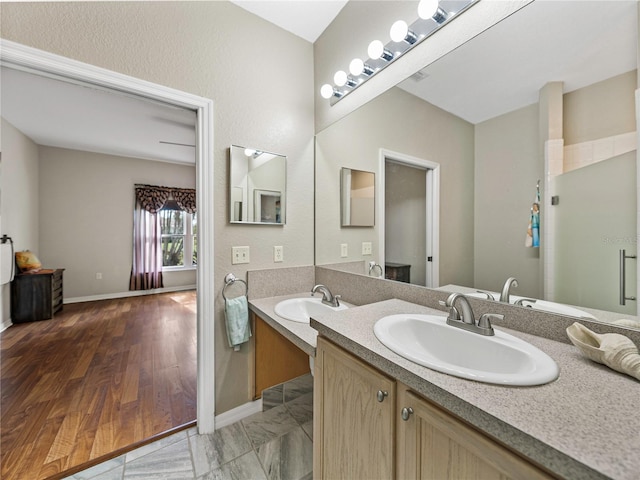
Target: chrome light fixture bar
<point>432,15</point>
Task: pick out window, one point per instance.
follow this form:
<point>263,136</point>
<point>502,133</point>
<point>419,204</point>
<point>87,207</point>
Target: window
<point>178,231</point>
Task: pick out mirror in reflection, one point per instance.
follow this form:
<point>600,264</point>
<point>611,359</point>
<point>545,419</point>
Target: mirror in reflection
<point>257,186</point>
<point>357,197</point>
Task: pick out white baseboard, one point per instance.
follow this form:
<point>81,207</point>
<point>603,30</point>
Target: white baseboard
<point>6,324</point>
<point>236,414</point>
<point>135,293</point>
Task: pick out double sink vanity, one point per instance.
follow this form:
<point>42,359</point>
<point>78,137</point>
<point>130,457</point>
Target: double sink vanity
<point>400,391</point>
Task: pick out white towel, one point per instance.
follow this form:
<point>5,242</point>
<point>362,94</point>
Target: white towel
<point>6,263</point>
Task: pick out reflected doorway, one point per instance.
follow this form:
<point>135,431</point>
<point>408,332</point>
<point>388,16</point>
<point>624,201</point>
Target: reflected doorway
<point>409,218</point>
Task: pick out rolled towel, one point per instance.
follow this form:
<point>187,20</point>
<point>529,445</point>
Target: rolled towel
<point>236,313</point>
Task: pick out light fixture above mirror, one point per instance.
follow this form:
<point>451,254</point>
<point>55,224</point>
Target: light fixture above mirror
<point>432,15</point>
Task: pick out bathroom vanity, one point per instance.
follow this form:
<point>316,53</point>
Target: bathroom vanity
<point>579,426</point>
<point>362,416</point>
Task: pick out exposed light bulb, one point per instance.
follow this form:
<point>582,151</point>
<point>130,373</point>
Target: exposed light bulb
<point>356,67</point>
<point>375,49</point>
<point>340,78</point>
<point>249,152</point>
<point>326,91</point>
<point>399,31</point>
<point>427,8</point>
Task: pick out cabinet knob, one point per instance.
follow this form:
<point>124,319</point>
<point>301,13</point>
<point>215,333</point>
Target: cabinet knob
<point>381,395</point>
<point>406,413</point>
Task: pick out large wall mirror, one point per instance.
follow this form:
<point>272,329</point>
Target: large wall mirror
<point>477,112</point>
<point>257,190</point>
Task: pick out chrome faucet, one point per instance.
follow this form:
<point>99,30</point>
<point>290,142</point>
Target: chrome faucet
<point>466,320</point>
<point>327,296</point>
<point>506,289</point>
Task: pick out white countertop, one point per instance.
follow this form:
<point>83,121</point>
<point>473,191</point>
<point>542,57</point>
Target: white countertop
<point>583,425</point>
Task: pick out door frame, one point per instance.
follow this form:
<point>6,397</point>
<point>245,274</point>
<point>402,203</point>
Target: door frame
<point>432,209</point>
<point>39,62</point>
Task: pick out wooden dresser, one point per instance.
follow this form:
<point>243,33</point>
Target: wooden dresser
<point>397,271</point>
<point>36,296</point>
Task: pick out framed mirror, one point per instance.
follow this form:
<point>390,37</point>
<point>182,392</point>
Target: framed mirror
<point>257,186</point>
<point>357,198</point>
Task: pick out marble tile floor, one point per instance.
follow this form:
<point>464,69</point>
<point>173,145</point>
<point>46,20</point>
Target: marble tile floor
<point>274,444</point>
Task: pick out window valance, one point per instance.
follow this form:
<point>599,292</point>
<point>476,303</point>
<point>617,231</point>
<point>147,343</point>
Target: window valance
<point>152,198</point>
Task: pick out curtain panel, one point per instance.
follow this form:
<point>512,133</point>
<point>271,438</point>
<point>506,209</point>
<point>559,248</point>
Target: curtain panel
<point>146,271</point>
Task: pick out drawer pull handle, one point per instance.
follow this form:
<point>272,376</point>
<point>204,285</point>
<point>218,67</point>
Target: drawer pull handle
<point>406,413</point>
<point>381,395</point>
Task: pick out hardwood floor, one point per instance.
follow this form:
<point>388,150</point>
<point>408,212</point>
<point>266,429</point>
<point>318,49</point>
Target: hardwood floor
<point>97,378</point>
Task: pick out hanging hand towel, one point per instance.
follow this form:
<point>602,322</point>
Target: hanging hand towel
<point>236,314</point>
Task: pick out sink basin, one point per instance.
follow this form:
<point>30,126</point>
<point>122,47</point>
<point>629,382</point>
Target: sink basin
<point>542,305</point>
<point>301,309</point>
<point>501,359</point>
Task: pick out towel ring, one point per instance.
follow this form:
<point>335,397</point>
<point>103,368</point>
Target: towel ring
<point>229,280</point>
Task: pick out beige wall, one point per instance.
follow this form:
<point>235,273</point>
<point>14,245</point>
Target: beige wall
<point>19,196</point>
<point>86,216</point>
<point>260,78</point>
<point>400,122</point>
<point>507,168</point>
<point>601,110</point>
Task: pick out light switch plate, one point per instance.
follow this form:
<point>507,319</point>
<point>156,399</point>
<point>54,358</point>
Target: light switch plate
<point>239,255</point>
<point>344,250</point>
<point>366,248</point>
<point>278,253</point>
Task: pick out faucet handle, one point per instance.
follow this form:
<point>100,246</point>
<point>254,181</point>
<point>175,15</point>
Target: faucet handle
<point>336,300</point>
<point>521,301</point>
<point>486,294</point>
<point>485,320</point>
<point>454,314</point>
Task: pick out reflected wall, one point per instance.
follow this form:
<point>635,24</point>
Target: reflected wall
<point>397,121</point>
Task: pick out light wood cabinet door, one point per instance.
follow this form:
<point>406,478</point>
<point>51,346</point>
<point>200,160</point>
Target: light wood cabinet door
<point>277,360</point>
<point>433,444</point>
<point>354,418</point>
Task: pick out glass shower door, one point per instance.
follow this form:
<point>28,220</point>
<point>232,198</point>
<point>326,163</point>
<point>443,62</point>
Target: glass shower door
<point>595,219</point>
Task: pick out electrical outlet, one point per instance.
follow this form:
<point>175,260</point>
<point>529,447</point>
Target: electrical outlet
<point>98,276</point>
<point>239,255</point>
<point>278,253</point>
<point>344,250</point>
<point>366,248</point>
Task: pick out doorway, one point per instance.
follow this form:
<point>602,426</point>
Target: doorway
<point>16,56</point>
<point>409,218</point>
